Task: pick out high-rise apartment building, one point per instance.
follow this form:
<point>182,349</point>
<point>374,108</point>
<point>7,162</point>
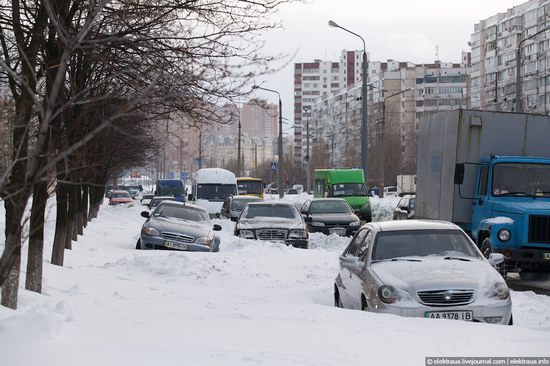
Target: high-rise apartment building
<point>495,44</point>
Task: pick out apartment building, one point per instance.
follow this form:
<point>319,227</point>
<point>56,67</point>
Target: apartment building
<point>495,44</point>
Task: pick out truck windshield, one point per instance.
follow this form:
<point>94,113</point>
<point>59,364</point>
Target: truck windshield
<point>521,179</point>
<point>348,189</point>
<point>215,191</point>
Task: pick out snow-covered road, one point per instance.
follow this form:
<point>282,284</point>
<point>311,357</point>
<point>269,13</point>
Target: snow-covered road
<point>253,303</point>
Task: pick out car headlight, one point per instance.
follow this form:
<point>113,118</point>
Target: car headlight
<point>317,224</point>
<point>298,234</point>
<point>388,294</point>
<point>355,223</point>
<point>504,235</point>
<point>150,231</point>
<point>499,291</point>
<point>204,240</point>
<point>246,234</point>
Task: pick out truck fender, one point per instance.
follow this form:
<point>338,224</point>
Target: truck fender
<point>491,227</point>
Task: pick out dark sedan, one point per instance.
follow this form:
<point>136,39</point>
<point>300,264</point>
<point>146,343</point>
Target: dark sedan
<point>178,226</point>
<point>330,216</point>
<point>273,221</point>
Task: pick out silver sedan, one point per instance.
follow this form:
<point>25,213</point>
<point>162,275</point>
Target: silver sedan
<point>418,268</point>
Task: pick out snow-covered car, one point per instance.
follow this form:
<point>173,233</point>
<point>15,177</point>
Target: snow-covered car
<point>273,221</point>
<point>146,198</point>
<point>118,197</point>
<point>155,201</point>
<point>330,216</point>
<point>417,268</point>
<point>233,206</point>
<point>406,208</point>
<point>179,226</point>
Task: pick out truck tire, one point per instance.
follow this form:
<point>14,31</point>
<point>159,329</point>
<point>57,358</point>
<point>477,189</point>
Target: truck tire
<point>487,249</point>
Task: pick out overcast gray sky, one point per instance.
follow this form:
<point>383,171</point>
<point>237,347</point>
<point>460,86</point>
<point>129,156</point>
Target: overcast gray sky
<point>402,30</point>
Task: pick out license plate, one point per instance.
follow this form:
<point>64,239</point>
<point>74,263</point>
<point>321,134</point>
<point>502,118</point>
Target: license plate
<point>451,315</point>
<point>175,245</point>
<point>338,230</point>
<point>546,256</point>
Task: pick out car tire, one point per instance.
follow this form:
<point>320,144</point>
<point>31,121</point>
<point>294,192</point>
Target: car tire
<point>138,244</point>
<point>486,249</point>
<point>337,299</point>
<point>511,321</point>
<point>364,306</point>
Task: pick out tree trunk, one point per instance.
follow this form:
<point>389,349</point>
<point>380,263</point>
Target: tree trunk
<point>79,217</point>
<point>11,257</point>
<point>61,225</point>
<point>84,204</point>
<point>36,237</point>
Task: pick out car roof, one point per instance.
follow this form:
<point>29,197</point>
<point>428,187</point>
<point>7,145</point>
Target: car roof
<point>327,199</point>
<point>271,203</point>
<point>164,197</point>
<point>120,191</point>
<point>244,197</point>
<point>183,204</point>
<point>398,225</point>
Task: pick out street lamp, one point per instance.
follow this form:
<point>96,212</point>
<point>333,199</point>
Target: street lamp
<point>382,150</point>
<point>307,157</point>
<point>280,142</point>
<point>364,122</point>
<point>518,69</point>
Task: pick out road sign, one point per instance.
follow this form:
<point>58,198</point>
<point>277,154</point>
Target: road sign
<point>273,165</point>
<point>184,175</point>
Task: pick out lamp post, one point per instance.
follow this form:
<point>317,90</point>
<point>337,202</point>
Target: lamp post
<point>518,108</point>
<point>308,173</point>
<point>364,121</point>
<point>280,142</point>
<point>383,148</point>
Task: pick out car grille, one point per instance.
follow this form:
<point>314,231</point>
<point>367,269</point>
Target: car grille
<point>271,234</point>
<point>446,297</point>
<point>178,237</point>
<point>539,229</point>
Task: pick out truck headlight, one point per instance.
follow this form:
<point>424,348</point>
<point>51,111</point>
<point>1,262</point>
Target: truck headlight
<point>504,235</point>
<point>246,234</point>
<point>317,224</point>
<point>150,231</point>
<point>298,234</point>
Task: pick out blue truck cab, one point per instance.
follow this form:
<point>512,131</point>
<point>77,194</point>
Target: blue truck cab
<point>511,211</point>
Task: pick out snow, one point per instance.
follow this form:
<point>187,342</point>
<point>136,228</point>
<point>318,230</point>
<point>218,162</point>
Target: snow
<point>215,176</point>
<point>499,220</point>
<point>253,303</point>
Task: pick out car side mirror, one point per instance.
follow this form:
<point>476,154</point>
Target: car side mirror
<point>352,262</point>
<point>459,173</point>
<point>495,258</point>
<point>308,219</point>
<point>217,227</point>
<point>234,219</point>
<point>145,214</point>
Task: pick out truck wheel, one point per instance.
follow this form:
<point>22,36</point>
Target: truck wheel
<point>487,249</point>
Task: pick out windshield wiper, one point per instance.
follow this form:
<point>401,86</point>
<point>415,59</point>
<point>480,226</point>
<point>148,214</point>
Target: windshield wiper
<point>458,259</point>
<point>523,194</point>
<point>397,259</point>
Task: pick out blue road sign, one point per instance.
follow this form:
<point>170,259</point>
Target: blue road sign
<point>273,165</point>
<point>184,175</point>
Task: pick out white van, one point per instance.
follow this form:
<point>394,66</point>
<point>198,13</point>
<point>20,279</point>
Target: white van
<point>390,191</point>
<point>211,186</point>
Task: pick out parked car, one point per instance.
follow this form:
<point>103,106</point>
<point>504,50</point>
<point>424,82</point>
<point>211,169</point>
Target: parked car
<point>155,201</point>
<point>405,209</point>
<point>421,268</point>
<point>179,226</point>
<point>146,198</point>
<point>273,221</point>
<point>330,216</point>
<point>118,197</point>
<point>390,191</point>
<point>233,206</point>
<point>291,191</point>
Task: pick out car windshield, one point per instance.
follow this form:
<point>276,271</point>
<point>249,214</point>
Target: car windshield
<point>521,179</point>
<point>422,243</point>
<point>215,191</point>
<point>322,207</point>
<point>349,189</point>
<point>182,213</point>
<point>155,202</point>
<point>287,212</point>
<point>239,204</point>
<point>121,195</point>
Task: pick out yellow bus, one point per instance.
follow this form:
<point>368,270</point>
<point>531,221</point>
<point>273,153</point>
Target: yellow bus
<point>249,186</point>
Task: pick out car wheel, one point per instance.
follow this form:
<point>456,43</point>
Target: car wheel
<point>138,244</point>
<point>364,306</point>
<point>486,249</point>
<point>511,321</point>
<point>337,299</point>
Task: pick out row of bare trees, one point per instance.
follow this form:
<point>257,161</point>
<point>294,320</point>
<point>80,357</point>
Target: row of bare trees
<point>82,86</point>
